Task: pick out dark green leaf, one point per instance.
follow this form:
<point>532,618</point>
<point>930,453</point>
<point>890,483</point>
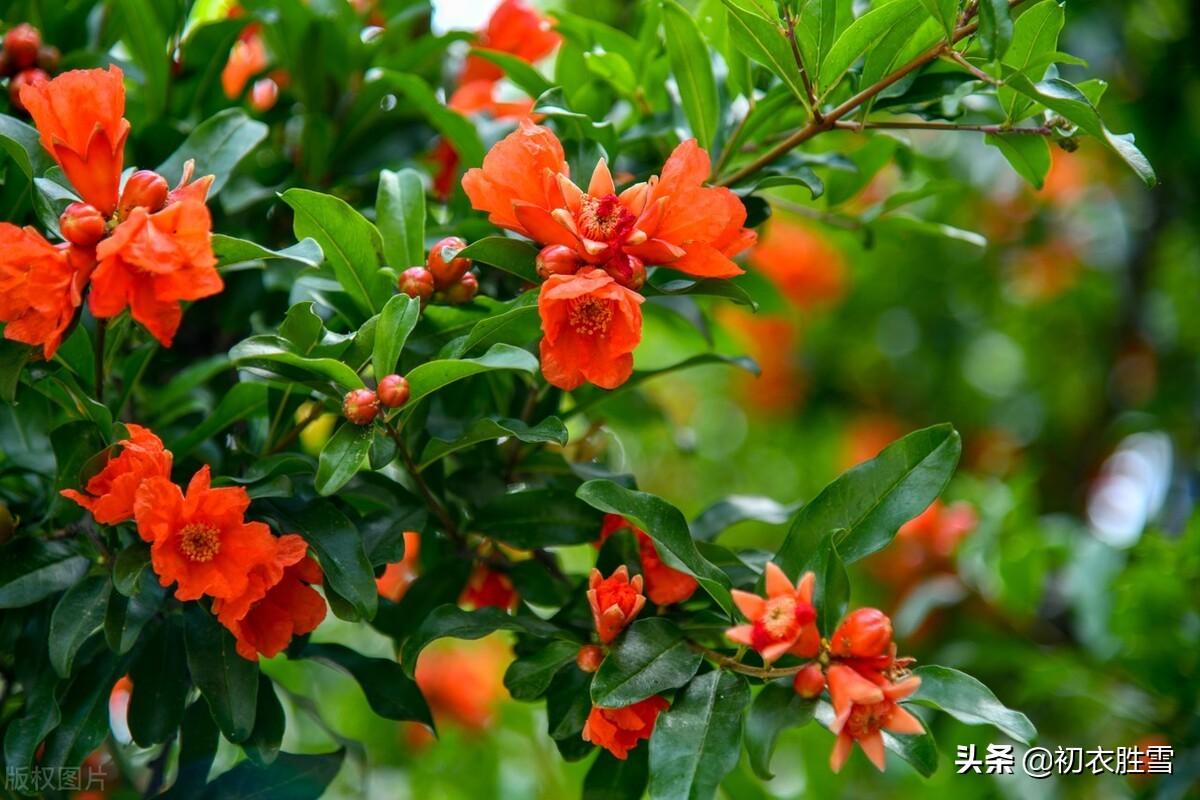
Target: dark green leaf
<point>264,742</point>
<point>198,740</point>
<point>455,127</point>
<point>538,518</point>
<point>698,740</point>
<point>611,778</point>
<point>342,456</point>
<point>528,677</point>
<point>160,685</point>
<point>731,510</point>
<point>217,145</point>
<point>275,354</point>
<point>765,42</point>
<point>21,143</point>
<point>551,429</point>
<point>289,777</point>
<point>142,31</point>
<point>78,615</point>
<point>33,569</point>
<point>1028,155</point>
<point>969,701</point>
<point>651,656</point>
<point>84,706</point>
<point>228,682</point>
<point>390,692</point>
<point>433,375</point>
<point>775,708</point>
<point>396,322</point>
<point>450,621</point>
<point>511,255</point>
<point>242,401</point>
<point>831,592</point>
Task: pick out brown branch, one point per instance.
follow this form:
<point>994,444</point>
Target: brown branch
<point>957,58</point>
<point>998,130</point>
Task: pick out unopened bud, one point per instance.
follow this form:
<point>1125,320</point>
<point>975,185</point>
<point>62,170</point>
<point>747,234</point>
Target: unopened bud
<point>144,189</point>
<point>444,263</point>
<point>82,225</point>
<point>464,291</point>
<point>629,271</point>
<point>360,406</point>
<point>392,391</point>
<point>557,259</point>
<point>28,77</point>
<point>589,657</point>
<point>863,633</point>
<point>416,282</point>
<point>21,44</point>
<point>263,95</point>
<point>48,58</point>
<point>810,681</point>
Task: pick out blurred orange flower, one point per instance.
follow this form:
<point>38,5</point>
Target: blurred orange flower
<point>463,682</point>
<point>488,588</point>
<point>514,28</point>
<point>397,577</point>
<point>867,435</point>
<point>40,287</point>
<point>247,58</point>
<point>110,493</point>
<point>772,342</point>
<point>806,267</point>
<point>591,325</point>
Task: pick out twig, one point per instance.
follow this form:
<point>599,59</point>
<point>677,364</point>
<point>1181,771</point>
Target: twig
<point>957,58</point>
<point>814,103</point>
<point>288,437</point>
<point>999,130</point>
<point>431,500</point>
<point>732,664</point>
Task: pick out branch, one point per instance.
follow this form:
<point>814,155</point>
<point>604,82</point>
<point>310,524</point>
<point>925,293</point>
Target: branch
<point>830,120</point>
<point>958,58</point>
<point>440,511</point>
<point>814,103</point>
<point>997,130</point>
<point>732,664</point>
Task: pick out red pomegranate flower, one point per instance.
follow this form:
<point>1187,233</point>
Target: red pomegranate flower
<point>671,220</point>
<point>201,540</point>
<point>782,622</point>
<point>110,493</point>
<point>615,601</point>
<point>40,287</point>
<point>863,722</point>
<point>591,325</point>
<point>80,118</point>
<point>488,588</point>
<point>664,585</point>
<point>618,730</point>
<point>514,28</point>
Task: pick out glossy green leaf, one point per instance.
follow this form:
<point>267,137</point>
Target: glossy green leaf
<point>228,682</point>
<point>861,36</point>
<point>84,705</point>
<point>450,621</point>
<point>433,375</point>
<point>1034,43</point>
<point>511,255</point>
<point>692,68</point>
<point>945,12</point>
<point>551,429</point>
<point>649,657</point>
<point>528,677</point>
<point>33,569</point>
<point>870,502</point>
<point>389,691</point>
<point>969,701</point>
<point>217,145</point>
<point>231,251</point>
<point>396,322</point>
<point>538,518</point>
<point>198,741</point>
<point>22,144</point>
<point>995,28</point>
<point>1029,156</point>
<point>276,355</point>
<point>342,457</point>
<point>611,778</point>
<point>160,685</point>
<point>262,746</point>
<point>289,777</point>
<point>400,216</point>
<point>242,401</point>
<point>765,42</point>
<point>776,708</point>
<point>698,740</point>
<point>831,590</point>
<point>77,616</point>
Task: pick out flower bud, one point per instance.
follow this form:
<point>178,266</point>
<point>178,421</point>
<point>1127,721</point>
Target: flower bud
<point>863,633</point>
<point>144,189</point>
<point>614,600</point>
<point>464,291</point>
<point>629,271</point>
<point>263,95</point>
<point>416,282</point>
<point>27,77</point>
<point>392,391</point>
<point>444,263</point>
<point>557,259</point>
<point>589,657</point>
<point>82,225</point>
<point>21,44</point>
<point>360,406</point>
<point>810,681</point>
<point>48,57</point>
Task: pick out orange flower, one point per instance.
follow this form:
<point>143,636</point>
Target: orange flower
<point>782,622</point>
<point>152,262</point>
<point>486,588</point>
<point>479,96</point>
<point>464,681</point>
<point>279,601</point>
<point>201,539</point>
<point>671,220</point>
<point>111,492</point>
<point>591,325</point>
<point>40,287</point>
<point>395,580</point>
<point>513,28</point>
<point>79,116</point>
<point>801,262</point>
<point>664,585</point>
<point>863,721</point>
<point>618,730</point>
<point>615,601</point>
<point>247,58</point>
<point>863,633</point>
<point>772,342</point>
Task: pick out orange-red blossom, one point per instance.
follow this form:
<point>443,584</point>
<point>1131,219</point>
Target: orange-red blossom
<point>782,622</point>
<point>664,585</point>
<point>111,492</point>
<point>618,730</point>
<point>614,600</point>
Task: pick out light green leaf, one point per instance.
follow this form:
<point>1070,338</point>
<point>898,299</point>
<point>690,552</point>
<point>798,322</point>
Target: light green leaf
<point>396,322</point>
<point>400,215</point>
<point>1028,155</point>
<point>217,145</point>
<point>969,701</point>
<point>692,68</point>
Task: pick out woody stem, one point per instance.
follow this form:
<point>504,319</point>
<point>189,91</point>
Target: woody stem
<point>733,665</point>
<point>439,510</point>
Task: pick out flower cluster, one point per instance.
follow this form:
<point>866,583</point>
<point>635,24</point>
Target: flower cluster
<point>664,585</point>
<point>260,584</point>
<point>25,60</point>
<point>446,276</point>
<point>596,243</point>
<point>140,246</point>
<point>857,664</point>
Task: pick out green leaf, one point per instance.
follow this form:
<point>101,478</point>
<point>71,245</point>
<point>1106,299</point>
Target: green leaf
<point>518,71</point>
<point>390,692</point>
<point>269,723</point>
<point>459,130</point>
<point>228,682</point>
<point>217,145</point>
<point>862,34</point>
<point>528,677</point>
<point>276,355</point>
<point>160,685</point>
<point>551,429</point>
<point>13,358</point>
<point>1028,155</point>
<point>396,322</point>
<point>995,28</point>
<point>611,778</point>
<point>400,215</point>
<point>22,144</point>
<point>352,245</point>
<point>33,569</point>
<point>1034,43</point>
<point>585,398</point>
<point>920,751</point>
<point>77,616</point>
<point>142,32</point>
<point>705,287</point>
<point>339,548</point>
<point>765,42</point>
<point>831,592</point>
<point>242,401</point>
<point>231,251</point>
<point>289,777</point>
<point>775,708</point>
<point>945,12</point>
<point>434,375</point>
<point>729,511</point>
<point>84,722</point>
<point>649,657</point>
<point>698,740</point>
<point>342,457</point>
<point>667,526</point>
<point>440,585</point>
<point>450,621</point>
<point>198,740</point>
<point>969,701</point>
<point>538,518</point>
<point>511,255</point>
<point>567,707</point>
<point>870,502</point>
<point>692,68</point>
<point>515,322</point>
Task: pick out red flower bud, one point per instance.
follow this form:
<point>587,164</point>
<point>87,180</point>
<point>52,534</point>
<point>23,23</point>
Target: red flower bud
<point>444,263</point>
<point>464,291</point>
<point>589,657</point>
<point>392,391</point>
<point>416,282</point>
<point>360,406</point>
<point>810,681</point>
<point>144,189</point>
<point>82,225</point>
<point>615,601</point>
<point>263,95</point>
<point>24,78</point>
<point>863,633</point>
<point>628,271</point>
<point>21,44</point>
<point>557,259</point>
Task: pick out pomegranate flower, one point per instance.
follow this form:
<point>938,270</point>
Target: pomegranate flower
<point>863,722</point>
<point>664,585</point>
<point>111,492</point>
<point>590,327</point>
<point>782,622</point>
<point>615,601</point>
<point>40,287</point>
<point>672,220</point>
<point>618,730</point>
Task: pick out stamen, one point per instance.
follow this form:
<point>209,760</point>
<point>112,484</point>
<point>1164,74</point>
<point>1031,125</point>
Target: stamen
<point>590,316</point>
<point>200,542</point>
<point>604,219</point>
